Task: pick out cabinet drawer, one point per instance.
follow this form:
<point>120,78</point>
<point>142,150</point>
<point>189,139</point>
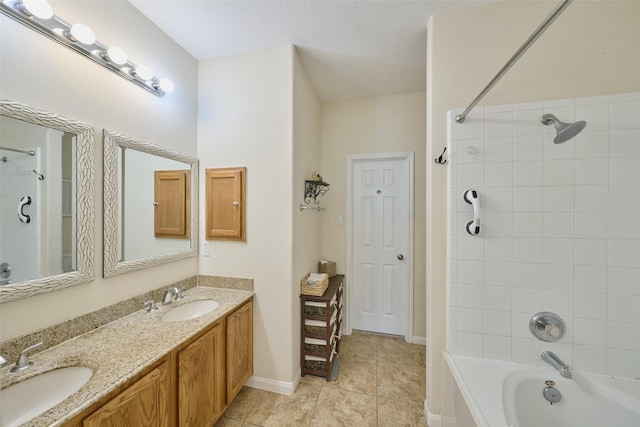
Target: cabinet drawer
<point>318,327</point>
<point>312,308</point>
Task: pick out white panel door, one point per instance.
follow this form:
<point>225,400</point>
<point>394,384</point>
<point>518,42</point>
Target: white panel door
<point>380,277</point>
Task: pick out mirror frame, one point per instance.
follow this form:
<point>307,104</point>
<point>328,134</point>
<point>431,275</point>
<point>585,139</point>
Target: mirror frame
<point>112,266</point>
<point>85,210</point>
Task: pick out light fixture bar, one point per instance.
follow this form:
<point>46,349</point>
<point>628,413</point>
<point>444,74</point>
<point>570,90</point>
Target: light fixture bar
<point>55,28</point>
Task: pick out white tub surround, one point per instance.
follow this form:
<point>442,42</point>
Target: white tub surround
<point>560,233</point>
<point>506,394</point>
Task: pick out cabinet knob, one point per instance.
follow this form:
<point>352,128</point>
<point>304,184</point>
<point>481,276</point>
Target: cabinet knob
<point>235,203</point>
<point>156,204</point>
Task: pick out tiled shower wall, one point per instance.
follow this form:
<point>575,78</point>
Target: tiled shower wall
<point>561,233</point>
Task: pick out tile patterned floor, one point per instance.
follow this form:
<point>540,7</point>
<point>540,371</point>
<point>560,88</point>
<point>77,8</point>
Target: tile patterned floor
<point>381,384</point>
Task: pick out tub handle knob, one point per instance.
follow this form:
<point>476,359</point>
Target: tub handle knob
<point>547,326</point>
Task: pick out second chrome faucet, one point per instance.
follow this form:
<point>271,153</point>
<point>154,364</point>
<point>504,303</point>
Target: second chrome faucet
<point>170,294</point>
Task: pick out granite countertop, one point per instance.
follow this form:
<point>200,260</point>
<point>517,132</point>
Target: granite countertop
<point>116,352</point>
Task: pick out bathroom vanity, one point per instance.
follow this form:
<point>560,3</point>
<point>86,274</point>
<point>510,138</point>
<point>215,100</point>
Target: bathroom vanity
<point>148,371</point>
<point>194,383</point>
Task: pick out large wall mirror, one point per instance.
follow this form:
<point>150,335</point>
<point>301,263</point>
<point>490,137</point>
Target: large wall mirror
<point>150,204</point>
<point>46,209</point>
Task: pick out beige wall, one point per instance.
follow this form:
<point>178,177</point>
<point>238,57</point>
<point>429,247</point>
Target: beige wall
<point>591,49</point>
<point>39,72</point>
<point>306,224</point>
<point>373,125</point>
<point>245,119</point>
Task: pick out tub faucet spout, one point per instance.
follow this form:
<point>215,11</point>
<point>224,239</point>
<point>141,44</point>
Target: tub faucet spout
<point>553,360</point>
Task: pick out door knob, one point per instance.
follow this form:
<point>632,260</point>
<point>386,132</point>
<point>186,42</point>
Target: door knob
<point>156,204</point>
<point>400,257</point>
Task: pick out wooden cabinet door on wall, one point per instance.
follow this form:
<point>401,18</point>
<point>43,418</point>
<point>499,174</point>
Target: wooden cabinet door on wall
<point>239,349</point>
<point>172,204</point>
<point>145,403</point>
<point>201,379</point>
<point>225,203</point>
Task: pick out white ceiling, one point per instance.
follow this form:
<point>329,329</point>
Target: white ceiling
<point>349,48</point>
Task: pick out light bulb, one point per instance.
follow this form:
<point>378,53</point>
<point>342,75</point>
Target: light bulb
<point>143,72</point>
<point>81,33</point>
<point>38,8</point>
<point>166,85</point>
<point>116,55</point>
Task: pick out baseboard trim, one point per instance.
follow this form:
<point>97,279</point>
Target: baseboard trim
<point>433,420</point>
<point>419,340</point>
<point>274,386</point>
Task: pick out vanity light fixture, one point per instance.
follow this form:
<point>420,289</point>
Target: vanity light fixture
<point>38,8</point>
<point>114,54</point>
<point>38,15</point>
<point>80,33</point>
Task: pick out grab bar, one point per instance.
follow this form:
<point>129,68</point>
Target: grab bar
<point>532,38</point>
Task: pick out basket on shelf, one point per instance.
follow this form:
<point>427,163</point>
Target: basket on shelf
<point>317,289</point>
<point>328,267</point>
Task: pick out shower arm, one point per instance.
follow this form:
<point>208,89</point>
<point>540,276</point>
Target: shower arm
<point>532,38</point>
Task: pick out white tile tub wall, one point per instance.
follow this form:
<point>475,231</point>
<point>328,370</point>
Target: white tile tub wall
<point>561,233</point>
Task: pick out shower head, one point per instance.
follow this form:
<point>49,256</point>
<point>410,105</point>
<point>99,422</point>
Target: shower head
<point>564,131</point>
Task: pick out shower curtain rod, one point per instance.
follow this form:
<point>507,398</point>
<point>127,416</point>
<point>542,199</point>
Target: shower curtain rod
<point>532,38</point>
<point>31,153</point>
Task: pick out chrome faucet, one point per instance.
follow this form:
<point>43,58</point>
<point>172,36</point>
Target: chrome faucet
<point>177,292</point>
<point>553,360</point>
<point>23,362</point>
<point>173,293</point>
<point>167,298</point>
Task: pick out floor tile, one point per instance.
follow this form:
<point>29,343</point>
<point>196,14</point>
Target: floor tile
<point>381,383</point>
<point>244,403</point>
<point>356,374</point>
<point>344,408</point>
<point>399,351</point>
<point>227,422</point>
<point>401,382</point>
<point>280,410</point>
<point>392,413</point>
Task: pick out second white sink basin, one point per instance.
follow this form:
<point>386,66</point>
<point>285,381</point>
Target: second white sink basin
<point>190,310</point>
<point>27,399</point>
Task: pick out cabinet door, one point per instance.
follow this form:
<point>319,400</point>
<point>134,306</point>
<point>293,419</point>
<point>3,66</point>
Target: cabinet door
<point>171,203</point>
<point>225,203</point>
<point>201,380</point>
<point>239,349</point>
<point>145,403</point>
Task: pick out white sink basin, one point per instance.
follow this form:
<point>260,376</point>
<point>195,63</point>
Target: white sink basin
<point>190,310</point>
<point>27,399</point>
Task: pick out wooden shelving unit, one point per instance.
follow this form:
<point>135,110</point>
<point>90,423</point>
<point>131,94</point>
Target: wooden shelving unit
<point>321,325</point>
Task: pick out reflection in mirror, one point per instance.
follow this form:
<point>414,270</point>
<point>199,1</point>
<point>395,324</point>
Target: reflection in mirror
<point>153,190</point>
<point>46,189</point>
<point>36,242</point>
<point>150,204</point>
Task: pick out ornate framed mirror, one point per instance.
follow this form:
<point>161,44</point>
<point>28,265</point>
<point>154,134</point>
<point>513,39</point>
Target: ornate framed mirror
<point>140,180</point>
<point>46,162</point>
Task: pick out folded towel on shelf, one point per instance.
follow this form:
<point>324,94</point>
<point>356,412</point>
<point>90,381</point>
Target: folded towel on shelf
<point>315,278</point>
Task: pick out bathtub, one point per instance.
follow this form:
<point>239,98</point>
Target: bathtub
<point>506,394</point>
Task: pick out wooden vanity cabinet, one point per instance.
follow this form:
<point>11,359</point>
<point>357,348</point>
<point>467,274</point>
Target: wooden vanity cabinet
<point>144,403</point>
<point>239,349</point>
<point>191,386</point>
<point>201,379</point>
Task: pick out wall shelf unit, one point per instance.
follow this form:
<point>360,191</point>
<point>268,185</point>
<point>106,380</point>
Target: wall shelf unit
<point>314,189</point>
